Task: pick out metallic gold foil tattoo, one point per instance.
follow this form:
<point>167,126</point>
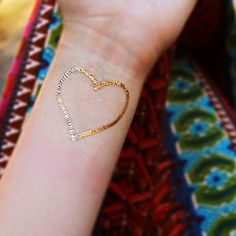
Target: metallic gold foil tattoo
<point>96,86</point>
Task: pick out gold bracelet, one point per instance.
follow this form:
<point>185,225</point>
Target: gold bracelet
<point>96,86</point>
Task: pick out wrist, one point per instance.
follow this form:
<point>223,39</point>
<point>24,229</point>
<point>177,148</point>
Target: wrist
<point>101,52</point>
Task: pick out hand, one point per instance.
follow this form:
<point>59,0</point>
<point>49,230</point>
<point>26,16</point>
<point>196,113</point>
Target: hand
<point>137,30</point>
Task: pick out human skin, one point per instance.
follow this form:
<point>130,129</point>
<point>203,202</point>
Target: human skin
<point>53,186</point>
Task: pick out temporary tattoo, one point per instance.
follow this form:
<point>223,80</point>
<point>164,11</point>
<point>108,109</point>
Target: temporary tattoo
<point>96,86</point>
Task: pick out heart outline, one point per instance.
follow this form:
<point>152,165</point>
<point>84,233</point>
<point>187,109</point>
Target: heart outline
<point>96,86</point>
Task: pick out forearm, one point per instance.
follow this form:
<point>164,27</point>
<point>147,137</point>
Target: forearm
<point>53,185</point>
<point>60,181</point>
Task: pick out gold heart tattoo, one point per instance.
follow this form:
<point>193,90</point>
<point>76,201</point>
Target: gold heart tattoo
<point>96,86</point>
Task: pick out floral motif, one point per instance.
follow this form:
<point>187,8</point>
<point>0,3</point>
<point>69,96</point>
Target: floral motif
<point>181,84</point>
<point>217,178</point>
<point>199,128</point>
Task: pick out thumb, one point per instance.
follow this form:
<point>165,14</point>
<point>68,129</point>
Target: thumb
<point>172,16</point>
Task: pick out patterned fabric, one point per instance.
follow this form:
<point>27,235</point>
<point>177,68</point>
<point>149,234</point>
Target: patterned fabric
<point>48,51</point>
<point>40,36</point>
<point>202,138</point>
<point>176,172</point>
<point>142,193</point>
